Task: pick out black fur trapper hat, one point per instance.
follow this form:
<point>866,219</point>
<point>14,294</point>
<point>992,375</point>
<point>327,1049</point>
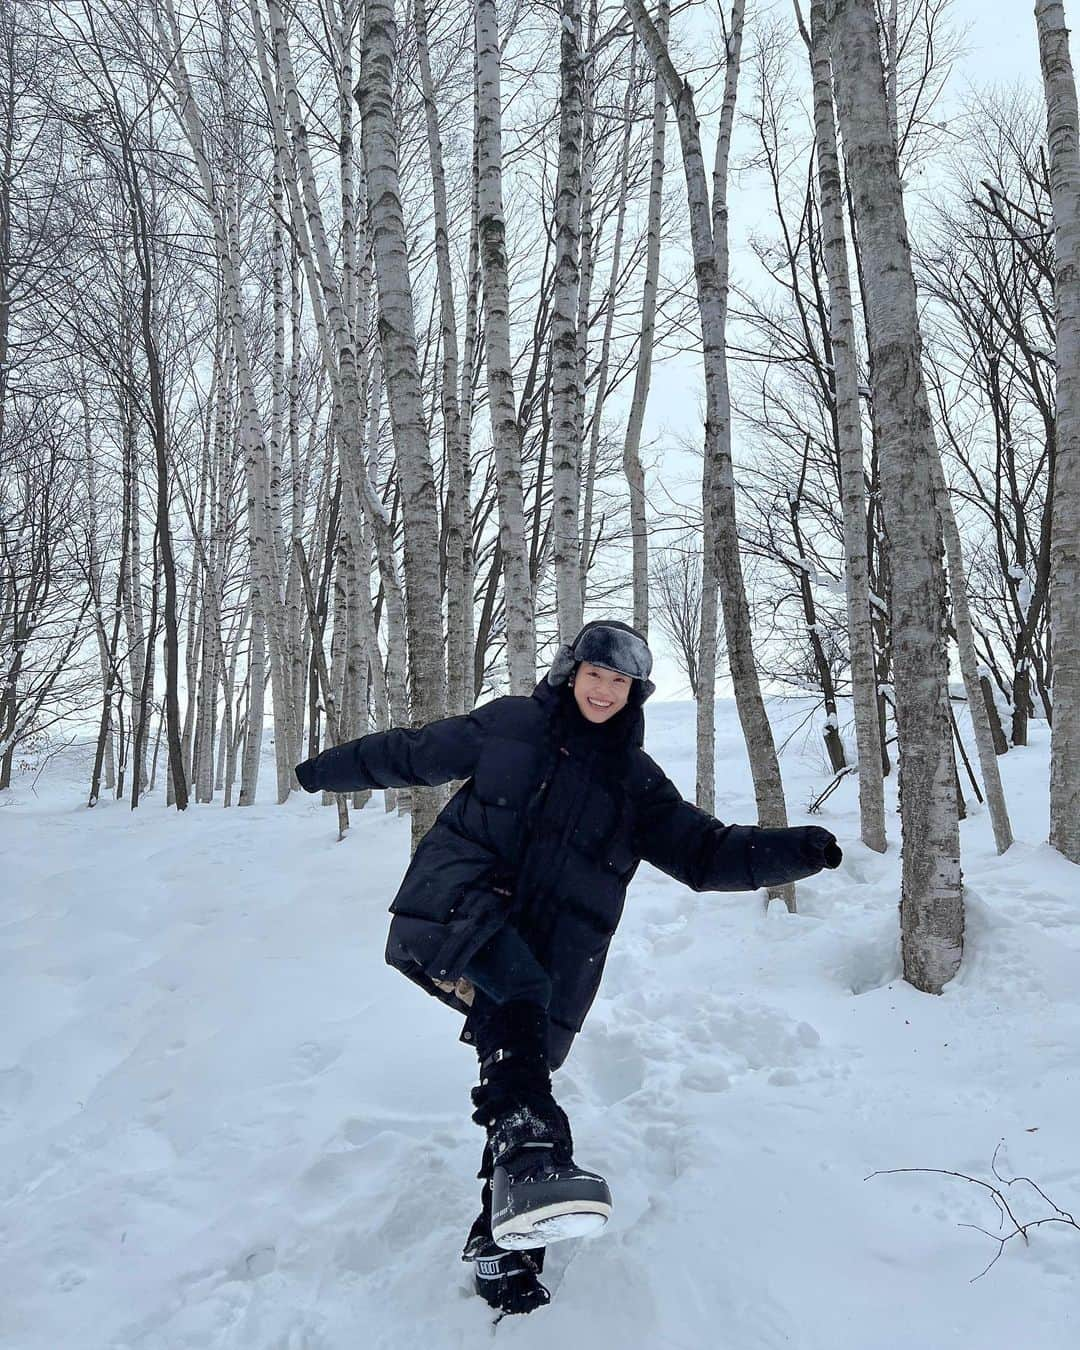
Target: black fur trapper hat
<point>613,645</point>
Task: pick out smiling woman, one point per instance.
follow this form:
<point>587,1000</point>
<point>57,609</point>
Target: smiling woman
<point>513,896</point>
<point>600,694</point>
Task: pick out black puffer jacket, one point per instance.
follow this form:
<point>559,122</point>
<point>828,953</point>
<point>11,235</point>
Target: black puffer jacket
<point>546,833</point>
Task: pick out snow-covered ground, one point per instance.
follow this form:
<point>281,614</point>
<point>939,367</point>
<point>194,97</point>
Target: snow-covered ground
<point>224,1122</point>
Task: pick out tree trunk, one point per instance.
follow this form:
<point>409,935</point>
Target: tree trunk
<point>454,435</point>
<point>848,444</point>
<point>969,664</point>
<point>635,473</point>
<point>588,543</point>
<point>427,673</point>
<point>468,366</point>
<point>505,431</point>
<point>567,373</point>
<point>931,904</point>
<point>722,568</point>
<point>1062,138</point>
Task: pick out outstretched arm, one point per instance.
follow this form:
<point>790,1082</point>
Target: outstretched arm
<point>706,855</point>
<point>399,757</point>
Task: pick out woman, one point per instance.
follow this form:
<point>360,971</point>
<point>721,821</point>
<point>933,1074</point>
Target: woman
<point>511,899</point>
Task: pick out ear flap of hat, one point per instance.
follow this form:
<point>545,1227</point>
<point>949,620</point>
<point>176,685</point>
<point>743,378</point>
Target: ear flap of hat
<point>562,666</point>
<point>640,690</point>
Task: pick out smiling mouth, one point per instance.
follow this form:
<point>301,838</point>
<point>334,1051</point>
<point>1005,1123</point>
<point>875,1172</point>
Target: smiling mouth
<point>602,706</point>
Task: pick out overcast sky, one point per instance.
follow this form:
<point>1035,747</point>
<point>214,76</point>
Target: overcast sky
<point>1002,46</point>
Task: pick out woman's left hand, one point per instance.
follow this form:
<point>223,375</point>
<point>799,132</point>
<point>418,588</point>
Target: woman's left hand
<point>819,846</point>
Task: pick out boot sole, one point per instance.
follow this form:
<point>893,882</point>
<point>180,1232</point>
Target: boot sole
<point>552,1223</point>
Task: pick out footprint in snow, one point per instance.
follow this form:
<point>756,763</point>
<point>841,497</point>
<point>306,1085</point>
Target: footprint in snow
<point>314,1057</point>
<point>254,1264</point>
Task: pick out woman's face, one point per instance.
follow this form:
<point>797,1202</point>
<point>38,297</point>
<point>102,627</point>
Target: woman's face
<point>600,693</point>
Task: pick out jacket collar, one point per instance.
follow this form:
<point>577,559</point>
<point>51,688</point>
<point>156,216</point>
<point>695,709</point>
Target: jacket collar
<point>626,729</point>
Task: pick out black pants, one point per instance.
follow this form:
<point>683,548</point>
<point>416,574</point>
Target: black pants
<point>505,970</point>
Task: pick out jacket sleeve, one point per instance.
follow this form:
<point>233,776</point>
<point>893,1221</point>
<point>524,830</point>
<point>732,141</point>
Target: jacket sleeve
<point>403,756</point>
<point>703,853</point>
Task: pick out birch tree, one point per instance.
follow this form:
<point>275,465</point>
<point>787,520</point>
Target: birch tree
<point>635,475</point>
<point>1063,133</point>
<point>969,664</point>
<point>455,432</point>
<point>931,902</point>
<point>848,419</point>
<point>567,376</point>
<point>427,673</point>
<point>505,431</point>
<point>722,566</point>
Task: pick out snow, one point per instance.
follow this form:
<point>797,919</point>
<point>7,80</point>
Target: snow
<point>225,1122</point>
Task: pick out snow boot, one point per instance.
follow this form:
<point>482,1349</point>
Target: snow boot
<point>508,1281</point>
<point>538,1194</point>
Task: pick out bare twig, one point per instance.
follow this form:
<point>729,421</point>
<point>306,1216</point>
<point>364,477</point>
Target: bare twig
<point>58,750</point>
<point>1004,1210</point>
<point>823,797</point>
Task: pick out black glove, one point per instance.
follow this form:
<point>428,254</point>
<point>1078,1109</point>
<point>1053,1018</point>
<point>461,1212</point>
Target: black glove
<point>819,847</point>
<point>306,776</point>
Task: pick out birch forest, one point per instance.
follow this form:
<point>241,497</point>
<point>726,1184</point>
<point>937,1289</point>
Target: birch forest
<point>354,353</point>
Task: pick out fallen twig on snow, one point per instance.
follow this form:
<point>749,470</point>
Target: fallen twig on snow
<point>1019,1229</point>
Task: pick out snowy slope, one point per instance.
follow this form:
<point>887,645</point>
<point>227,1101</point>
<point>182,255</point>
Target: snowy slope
<point>224,1122</point>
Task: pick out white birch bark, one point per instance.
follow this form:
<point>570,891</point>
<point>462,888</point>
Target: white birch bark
<point>969,661</point>
<point>567,371</point>
<point>721,541</point>
<point>211,635</point>
<point>231,722</point>
<point>427,673</point>
<point>332,300</point>
<point>587,263</point>
<point>1062,141</point>
<point>198,585</point>
<point>294,625</point>
<point>249,767</point>
<point>340,608</point>
<point>931,903</point>
<point>287,738</point>
<point>468,362</point>
<point>717,473</point>
<point>848,443</point>
<point>338,342</point>
<point>96,578</point>
<point>587,543</point>
<point>394,684</point>
<point>505,431</point>
<point>632,466</point>
<point>134,617</point>
<point>453,432</point>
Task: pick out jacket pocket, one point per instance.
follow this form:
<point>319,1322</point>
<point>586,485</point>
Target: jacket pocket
<point>443,949</point>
